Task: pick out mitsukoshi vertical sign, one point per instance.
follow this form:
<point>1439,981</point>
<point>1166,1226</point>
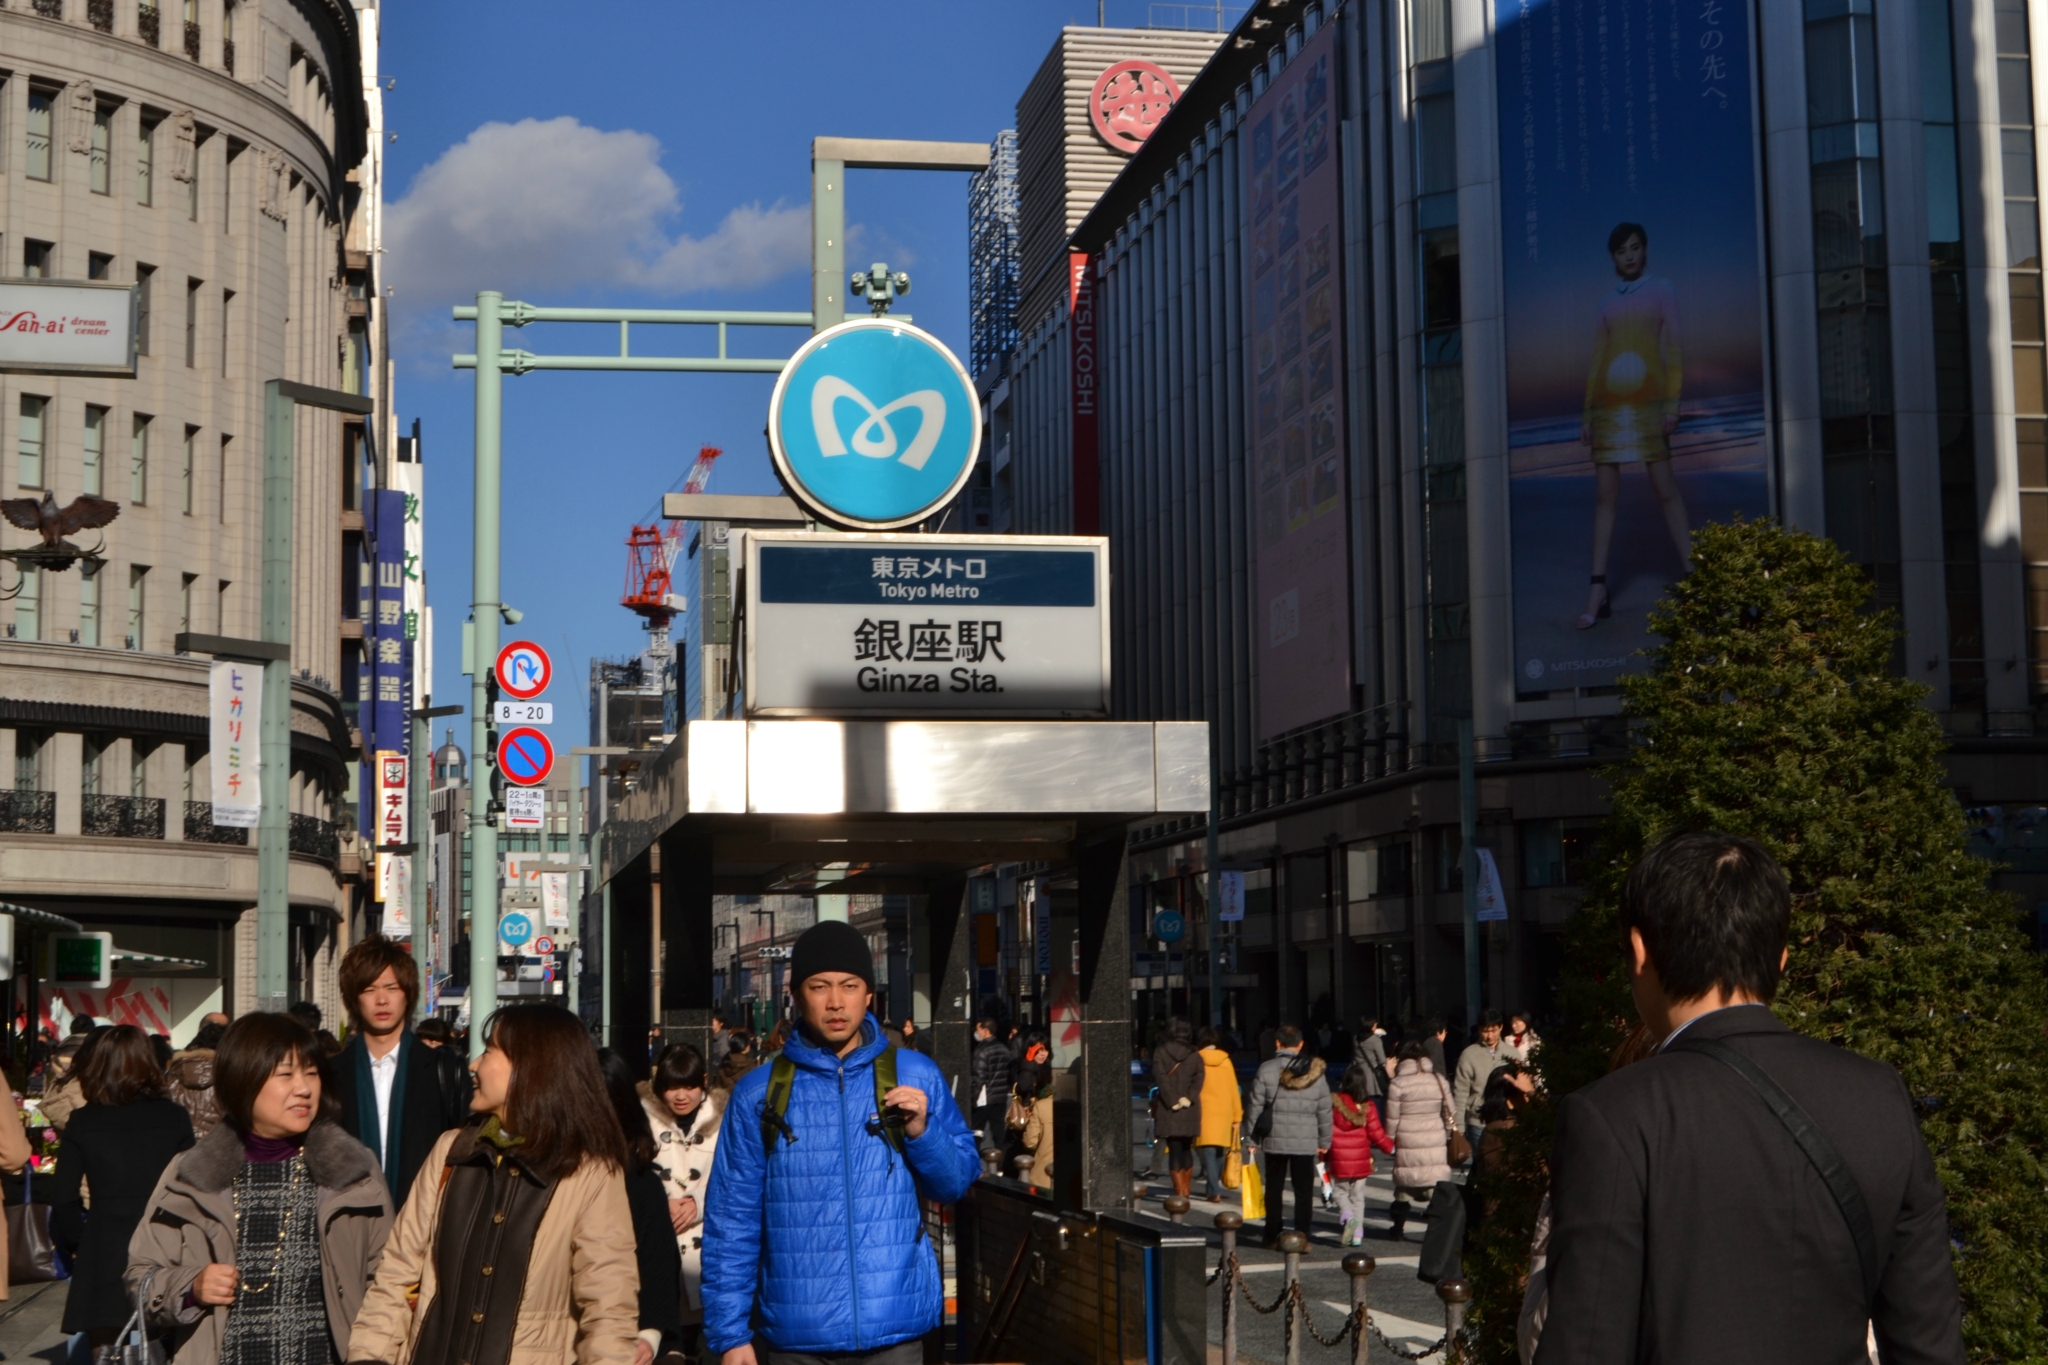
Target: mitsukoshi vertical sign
<point>1294,355</point>
<point>1634,292</point>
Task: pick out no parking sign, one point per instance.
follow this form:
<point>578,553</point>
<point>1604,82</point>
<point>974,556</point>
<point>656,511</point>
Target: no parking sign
<point>525,756</point>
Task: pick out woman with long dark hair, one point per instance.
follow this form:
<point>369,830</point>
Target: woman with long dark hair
<point>516,1243</point>
<point>120,1140</point>
<point>661,1265</point>
<point>260,1241</point>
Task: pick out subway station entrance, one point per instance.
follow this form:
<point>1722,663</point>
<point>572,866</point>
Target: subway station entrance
<point>913,808</point>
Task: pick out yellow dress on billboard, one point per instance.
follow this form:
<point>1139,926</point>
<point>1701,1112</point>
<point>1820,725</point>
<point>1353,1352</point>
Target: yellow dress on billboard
<point>1636,376</point>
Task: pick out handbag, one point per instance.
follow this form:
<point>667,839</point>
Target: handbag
<point>1017,1115</point>
<point>1233,1163</point>
<point>31,1249</point>
<point>1458,1146</point>
<point>1443,1246</point>
<point>1254,1192</point>
<point>133,1346</point>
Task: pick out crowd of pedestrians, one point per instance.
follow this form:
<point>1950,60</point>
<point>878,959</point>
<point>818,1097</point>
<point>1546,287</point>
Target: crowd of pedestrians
<point>270,1195</point>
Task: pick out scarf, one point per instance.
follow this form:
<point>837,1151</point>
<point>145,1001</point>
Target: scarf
<point>366,1107</point>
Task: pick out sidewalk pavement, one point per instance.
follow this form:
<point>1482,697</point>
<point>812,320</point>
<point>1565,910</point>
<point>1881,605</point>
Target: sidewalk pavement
<point>31,1322</point>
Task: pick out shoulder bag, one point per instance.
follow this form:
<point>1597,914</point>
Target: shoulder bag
<point>1458,1148</point>
<point>1834,1173</point>
<point>31,1249</point>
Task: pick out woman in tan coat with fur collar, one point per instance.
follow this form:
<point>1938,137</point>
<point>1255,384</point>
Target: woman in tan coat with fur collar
<point>515,1246</point>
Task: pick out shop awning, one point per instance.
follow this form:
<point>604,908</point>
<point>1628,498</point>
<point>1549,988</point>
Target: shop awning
<point>40,919</point>
<point>155,964</point>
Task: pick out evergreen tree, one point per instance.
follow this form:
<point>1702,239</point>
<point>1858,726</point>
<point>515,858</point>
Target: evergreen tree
<point>1771,710</point>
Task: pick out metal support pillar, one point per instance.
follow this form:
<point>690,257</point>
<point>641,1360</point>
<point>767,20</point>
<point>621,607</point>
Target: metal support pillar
<point>420,773</point>
<point>1213,918</point>
<point>828,242</point>
<point>273,829</point>
<point>1104,1091</point>
<point>686,994</point>
<point>950,911</point>
<point>485,604</point>
<point>578,860</point>
<point>1468,867</point>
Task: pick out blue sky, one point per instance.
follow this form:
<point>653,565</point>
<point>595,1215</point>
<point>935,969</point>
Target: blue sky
<point>651,155</point>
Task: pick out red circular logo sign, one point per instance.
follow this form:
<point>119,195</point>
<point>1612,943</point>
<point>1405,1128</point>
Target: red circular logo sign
<point>1129,100</point>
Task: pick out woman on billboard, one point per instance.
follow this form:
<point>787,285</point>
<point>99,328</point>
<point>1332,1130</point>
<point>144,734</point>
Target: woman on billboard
<point>1632,395</point>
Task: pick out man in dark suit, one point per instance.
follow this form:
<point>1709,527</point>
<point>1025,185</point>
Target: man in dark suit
<point>397,1094</point>
<point>1689,1224</point>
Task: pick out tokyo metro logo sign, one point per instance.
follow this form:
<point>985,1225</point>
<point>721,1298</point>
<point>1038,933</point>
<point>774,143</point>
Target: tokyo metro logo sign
<point>874,424</point>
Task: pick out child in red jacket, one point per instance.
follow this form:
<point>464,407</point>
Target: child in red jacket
<point>1354,1132</point>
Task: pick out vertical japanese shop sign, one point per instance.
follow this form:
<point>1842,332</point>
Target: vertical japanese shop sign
<point>1295,357</point>
<point>234,720</point>
<point>390,661</point>
<point>394,826</point>
<point>1634,313</point>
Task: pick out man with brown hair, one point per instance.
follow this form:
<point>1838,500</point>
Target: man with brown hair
<point>397,1094</point>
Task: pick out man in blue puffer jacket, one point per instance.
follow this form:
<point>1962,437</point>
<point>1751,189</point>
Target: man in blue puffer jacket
<point>821,1227</point>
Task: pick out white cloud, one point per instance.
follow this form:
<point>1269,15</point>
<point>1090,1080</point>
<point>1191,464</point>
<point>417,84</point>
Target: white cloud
<point>554,206</point>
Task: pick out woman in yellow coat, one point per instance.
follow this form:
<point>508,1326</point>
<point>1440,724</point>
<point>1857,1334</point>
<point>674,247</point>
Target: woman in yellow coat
<point>1632,395</point>
<point>1222,1109</point>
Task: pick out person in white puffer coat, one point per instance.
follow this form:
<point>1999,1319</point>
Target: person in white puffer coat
<point>685,1117</point>
<point>1420,1119</point>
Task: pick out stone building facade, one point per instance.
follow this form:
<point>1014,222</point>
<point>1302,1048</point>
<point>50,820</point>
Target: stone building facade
<point>218,156</point>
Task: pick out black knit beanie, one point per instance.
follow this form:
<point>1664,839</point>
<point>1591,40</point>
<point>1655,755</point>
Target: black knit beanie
<point>831,945</point>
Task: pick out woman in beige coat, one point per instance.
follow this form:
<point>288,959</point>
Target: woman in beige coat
<point>14,1155</point>
<point>1420,1120</point>
<point>537,1263</point>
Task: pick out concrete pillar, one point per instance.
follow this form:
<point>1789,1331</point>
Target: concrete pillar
<point>686,987</point>
<point>1104,1073</point>
<point>63,769</point>
<point>631,980</point>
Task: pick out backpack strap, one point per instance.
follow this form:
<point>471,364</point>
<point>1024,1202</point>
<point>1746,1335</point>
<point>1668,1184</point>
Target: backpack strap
<point>1834,1173</point>
<point>781,1080</point>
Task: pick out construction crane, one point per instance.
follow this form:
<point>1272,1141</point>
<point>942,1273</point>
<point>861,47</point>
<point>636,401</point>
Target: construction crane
<point>651,555</point>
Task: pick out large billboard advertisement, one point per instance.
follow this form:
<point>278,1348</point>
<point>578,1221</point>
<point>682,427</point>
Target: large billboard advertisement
<point>1294,358</point>
<point>1633,283</point>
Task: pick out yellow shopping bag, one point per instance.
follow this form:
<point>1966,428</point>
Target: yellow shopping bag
<point>1254,1192</point>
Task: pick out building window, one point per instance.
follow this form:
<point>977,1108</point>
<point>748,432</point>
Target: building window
<point>38,259</point>
<point>95,447</point>
<point>102,149</point>
<point>138,461</point>
<point>188,460</point>
<point>220,607</point>
<point>99,265</point>
<point>223,499</point>
<point>28,760</point>
<point>191,322</point>
<point>1379,867</point>
<point>138,597</point>
<point>138,769</point>
<point>185,582</point>
<point>1557,852</point>
<point>227,311</point>
<point>227,37</point>
<point>89,603</point>
<point>145,279</point>
<point>28,605</point>
<point>28,441</point>
<point>42,106</point>
<point>145,158</point>
<point>192,185</point>
<point>92,762</point>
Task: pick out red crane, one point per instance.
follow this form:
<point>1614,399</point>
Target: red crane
<point>651,554</point>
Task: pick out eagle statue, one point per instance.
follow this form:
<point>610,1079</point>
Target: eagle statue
<point>85,513</point>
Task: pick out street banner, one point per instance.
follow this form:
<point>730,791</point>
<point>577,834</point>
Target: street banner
<point>554,899</point>
<point>1493,902</point>
<point>1230,897</point>
<point>234,722</point>
<point>394,888</point>
<point>1633,288</point>
<point>1294,360</point>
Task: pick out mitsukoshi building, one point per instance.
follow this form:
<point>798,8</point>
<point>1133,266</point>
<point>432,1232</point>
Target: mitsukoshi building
<point>1402,355</point>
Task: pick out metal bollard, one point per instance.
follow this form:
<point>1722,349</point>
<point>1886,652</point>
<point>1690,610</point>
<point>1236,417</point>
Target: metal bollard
<point>1227,1223</point>
<point>1177,1206</point>
<point>1023,1164</point>
<point>1292,1245</point>
<point>1455,1294</point>
<point>992,1161</point>
<point>1359,1267</point>
<point>1139,1189</point>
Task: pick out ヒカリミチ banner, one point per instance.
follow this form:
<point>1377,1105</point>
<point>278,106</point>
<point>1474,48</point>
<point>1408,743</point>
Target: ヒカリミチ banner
<point>234,723</point>
<point>1633,284</point>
